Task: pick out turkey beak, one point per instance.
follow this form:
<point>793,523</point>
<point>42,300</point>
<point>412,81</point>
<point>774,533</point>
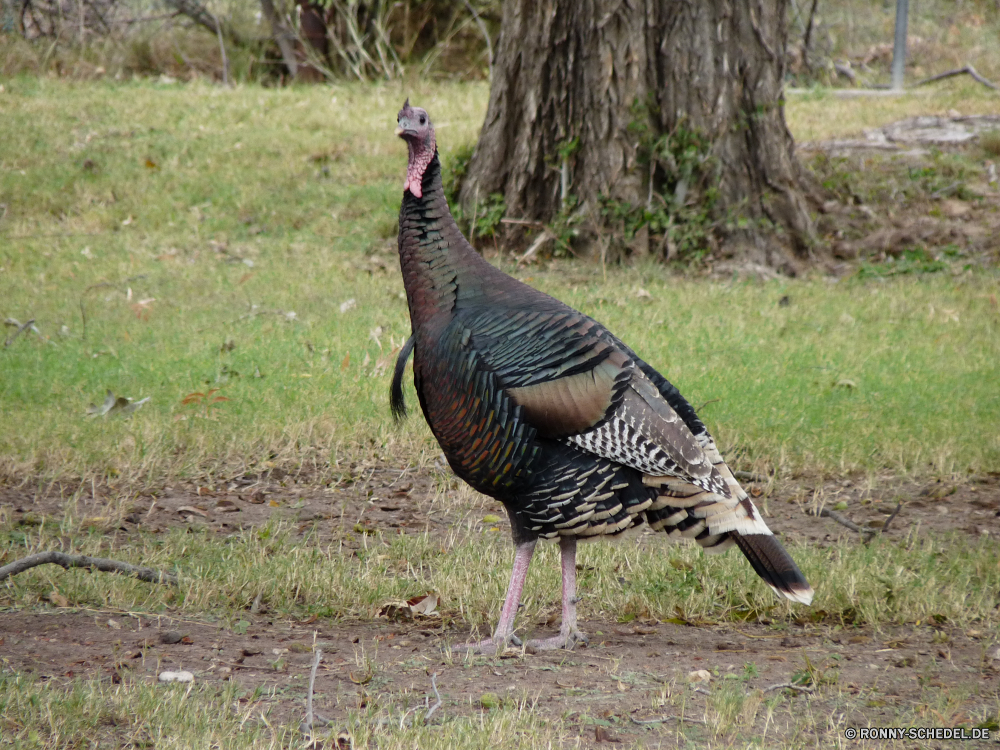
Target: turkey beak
<point>399,130</point>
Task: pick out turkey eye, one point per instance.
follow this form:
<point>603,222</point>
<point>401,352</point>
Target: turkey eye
<point>421,120</point>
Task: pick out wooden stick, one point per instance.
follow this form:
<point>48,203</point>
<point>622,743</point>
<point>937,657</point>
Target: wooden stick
<point>967,70</point>
<point>843,521</point>
<point>544,237</point>
<point>885,527</point>
<point>523,222</point>
<point>20,329</point>
<point>309,698</point>
<point>149,575</point>
<point>750,476</point>
<point>438,703</point>
<point>790,686</point>
<point>662,719</point>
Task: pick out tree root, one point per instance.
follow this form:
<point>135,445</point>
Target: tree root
<point>150,575</point>
<point>967,70</point>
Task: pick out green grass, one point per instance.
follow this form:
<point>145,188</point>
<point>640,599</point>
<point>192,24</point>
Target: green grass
<point>34,714</point>
<point>251,216</point>
<point>939,579</point>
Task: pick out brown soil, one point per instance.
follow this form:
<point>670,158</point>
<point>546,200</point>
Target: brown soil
<point>622,675</point>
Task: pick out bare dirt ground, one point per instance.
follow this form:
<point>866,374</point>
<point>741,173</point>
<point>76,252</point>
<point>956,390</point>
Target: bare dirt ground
<point>628,673</point>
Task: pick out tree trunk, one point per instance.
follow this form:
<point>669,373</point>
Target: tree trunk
<point>618,77</point>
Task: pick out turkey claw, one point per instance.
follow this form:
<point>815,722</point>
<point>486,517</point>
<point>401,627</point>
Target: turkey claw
<point>567,641</point>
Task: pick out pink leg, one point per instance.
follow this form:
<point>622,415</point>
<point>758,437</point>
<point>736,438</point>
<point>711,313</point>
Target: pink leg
<point>568,636</point>
<point>505,629</point>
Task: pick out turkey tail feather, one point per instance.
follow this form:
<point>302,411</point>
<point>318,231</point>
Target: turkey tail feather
<point>773,564</point>
<point>396,401</point>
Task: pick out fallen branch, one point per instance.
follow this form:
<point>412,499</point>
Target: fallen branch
<point>252,668</point>
<point>437,704</point>
<point>198,13</point>
<point>21,327</point>
<point>790,686</point>
<point>967,70</point>
<point>149,575</point>
<point>523,222</point>
<point>529,254</point>
<point>885,526</point>
<point>307,725</point>
<point>749,476</point>
<point>660,720</point>
<point>843,521</point>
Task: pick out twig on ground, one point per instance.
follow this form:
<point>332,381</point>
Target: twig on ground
<point>701,690</point>
<point>529,254</point>
<point>885,526</point>
<point>251,667</point>
<point>847,73</point>
<point>967,70</point>
<point>790,686</point>
<point>437,704</point>
<point>749,476</point>
<point>21,327</point>
<point>307,726</point>
<point>842,520</point>
<point>523,222</point>
<point>867,534</point>
<point>150,575</point>
<point>662,719</point>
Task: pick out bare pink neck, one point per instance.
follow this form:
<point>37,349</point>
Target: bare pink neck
<point>421,153</point>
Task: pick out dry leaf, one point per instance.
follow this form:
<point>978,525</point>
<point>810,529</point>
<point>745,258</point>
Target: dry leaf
<point>423,606</point>
<point>700,675</point>
<point>360,679</point>
<point>58,599</point>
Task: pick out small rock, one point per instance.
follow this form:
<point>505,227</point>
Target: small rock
<point>171,636</point>
<point>182,676</point>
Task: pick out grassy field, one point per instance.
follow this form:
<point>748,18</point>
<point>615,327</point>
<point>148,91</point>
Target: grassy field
<point>173,241</point>
<point>229,255</point>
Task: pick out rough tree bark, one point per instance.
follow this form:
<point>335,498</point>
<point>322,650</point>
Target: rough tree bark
<point>568,69</point>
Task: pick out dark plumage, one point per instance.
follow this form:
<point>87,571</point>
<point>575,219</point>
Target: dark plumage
<point>544,409</point>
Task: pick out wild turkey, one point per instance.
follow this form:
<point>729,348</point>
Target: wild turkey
<point>542,408</point>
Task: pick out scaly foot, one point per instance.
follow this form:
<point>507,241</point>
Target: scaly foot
<point>567,640</point>
<point>488,646</point>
